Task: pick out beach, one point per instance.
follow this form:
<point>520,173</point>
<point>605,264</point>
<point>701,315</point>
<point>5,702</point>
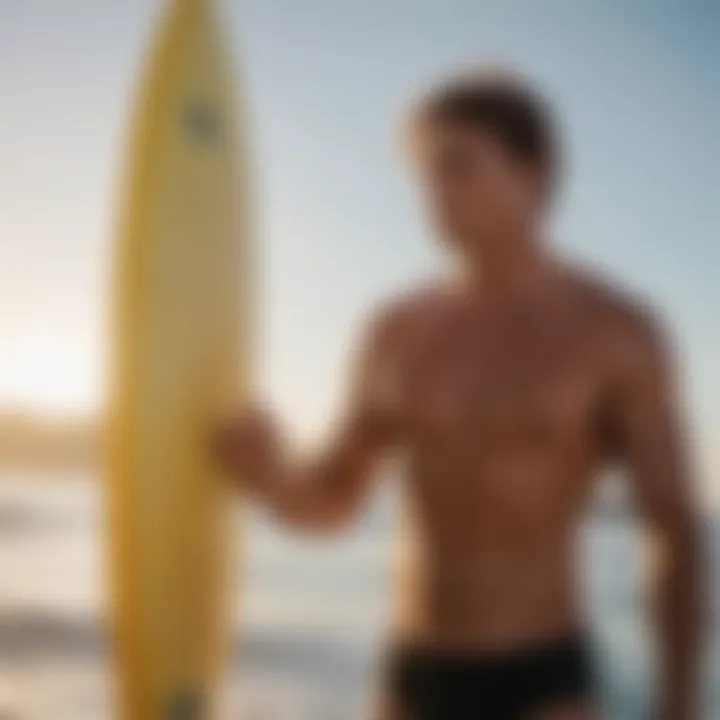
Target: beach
<point>307,635</point>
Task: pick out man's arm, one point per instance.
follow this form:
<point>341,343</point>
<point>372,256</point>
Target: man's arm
<point>653,445</point>
<point>325,491</point>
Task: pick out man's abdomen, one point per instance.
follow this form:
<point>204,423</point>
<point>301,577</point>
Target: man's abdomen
<point>483,594</point>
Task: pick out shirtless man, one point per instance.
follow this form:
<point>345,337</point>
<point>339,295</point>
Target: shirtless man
<point>507,389</point>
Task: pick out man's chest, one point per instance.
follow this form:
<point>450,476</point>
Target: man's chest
<point>537,376</point>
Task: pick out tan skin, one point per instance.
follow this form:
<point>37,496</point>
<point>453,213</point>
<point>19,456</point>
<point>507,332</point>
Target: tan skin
<point>506,390</point>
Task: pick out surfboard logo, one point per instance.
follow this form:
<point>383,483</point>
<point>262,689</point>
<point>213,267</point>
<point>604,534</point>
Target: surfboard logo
<point>187,705</point>
<point>201,121</point>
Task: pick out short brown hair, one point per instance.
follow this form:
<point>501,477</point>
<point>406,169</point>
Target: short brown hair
<point>503,103</point>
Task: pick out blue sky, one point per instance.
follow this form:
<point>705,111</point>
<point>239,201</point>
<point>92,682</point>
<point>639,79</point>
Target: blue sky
<point>635,83</point>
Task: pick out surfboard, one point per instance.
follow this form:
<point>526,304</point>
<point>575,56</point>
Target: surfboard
<point>180,359</point>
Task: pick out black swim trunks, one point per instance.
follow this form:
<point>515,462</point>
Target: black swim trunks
<point>430,685</point>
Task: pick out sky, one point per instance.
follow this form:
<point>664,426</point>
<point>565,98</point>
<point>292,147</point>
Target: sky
<point>325,82</point>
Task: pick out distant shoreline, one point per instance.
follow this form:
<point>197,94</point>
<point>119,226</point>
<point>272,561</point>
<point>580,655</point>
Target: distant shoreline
<point>36,444</point>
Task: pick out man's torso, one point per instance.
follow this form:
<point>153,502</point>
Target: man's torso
<point>501,410</point>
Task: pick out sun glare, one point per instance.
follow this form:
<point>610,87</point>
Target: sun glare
<point>48,374</point>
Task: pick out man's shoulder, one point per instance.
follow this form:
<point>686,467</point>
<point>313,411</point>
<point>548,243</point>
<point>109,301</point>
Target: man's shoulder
<point>410,306</point>
<point>625,319</point>
<point>612,302</point>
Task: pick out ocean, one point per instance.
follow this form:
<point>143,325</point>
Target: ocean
<point>309,639</point>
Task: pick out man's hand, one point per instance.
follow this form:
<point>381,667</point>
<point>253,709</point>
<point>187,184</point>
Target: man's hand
<point>249,447</point>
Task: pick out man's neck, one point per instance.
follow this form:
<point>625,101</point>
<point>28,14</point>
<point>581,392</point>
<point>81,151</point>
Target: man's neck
<point>516,265</point>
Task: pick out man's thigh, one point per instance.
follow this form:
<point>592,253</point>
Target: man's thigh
<point>574,711</point>
<point>387,709</point>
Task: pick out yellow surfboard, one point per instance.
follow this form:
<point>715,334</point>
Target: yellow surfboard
<point>180,359</point>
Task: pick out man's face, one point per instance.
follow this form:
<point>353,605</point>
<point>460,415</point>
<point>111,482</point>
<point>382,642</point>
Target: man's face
<point>477,192</point>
